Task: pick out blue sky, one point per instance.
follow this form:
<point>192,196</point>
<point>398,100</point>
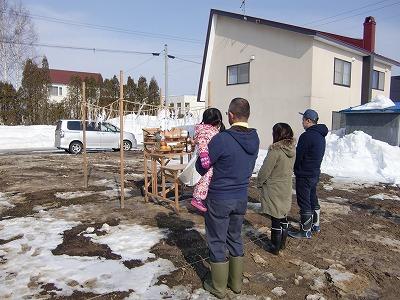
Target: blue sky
<point>186,19</point>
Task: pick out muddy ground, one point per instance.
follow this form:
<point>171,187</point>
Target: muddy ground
<point>356,255</point>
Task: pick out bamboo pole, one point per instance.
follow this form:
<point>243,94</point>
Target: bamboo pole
<point>121,136</point>
<point>85,163</point>
<point>208,94</point>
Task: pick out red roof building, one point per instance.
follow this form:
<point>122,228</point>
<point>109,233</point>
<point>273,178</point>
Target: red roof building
<point>64,77</point>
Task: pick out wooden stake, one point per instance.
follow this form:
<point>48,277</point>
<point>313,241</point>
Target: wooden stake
<point>208,94</point>
<point>121,136</point>
<point>85,164</point>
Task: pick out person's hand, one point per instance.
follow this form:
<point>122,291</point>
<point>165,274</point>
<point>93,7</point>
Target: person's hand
<point>205,160</point>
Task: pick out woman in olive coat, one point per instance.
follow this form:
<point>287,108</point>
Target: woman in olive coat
<point>275,182</point>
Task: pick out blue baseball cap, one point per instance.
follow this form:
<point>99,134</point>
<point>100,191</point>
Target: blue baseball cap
<point>310,114</point>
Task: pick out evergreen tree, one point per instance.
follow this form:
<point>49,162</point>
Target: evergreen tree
<point>34,93</point>
<point>130,93</point>
<point>73,101</point>
<point>45,83</point>
<point>142,90</point>
<point>154,92</point>
<point>10,110</point>
<point>92,90</point>
<point>109,91</point>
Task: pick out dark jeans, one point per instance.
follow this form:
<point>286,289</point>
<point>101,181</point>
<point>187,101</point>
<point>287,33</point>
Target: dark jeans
<point>306,192</point>
<point>224,219</point>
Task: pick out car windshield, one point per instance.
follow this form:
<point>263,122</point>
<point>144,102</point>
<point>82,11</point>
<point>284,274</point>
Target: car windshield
<point>109,127</point>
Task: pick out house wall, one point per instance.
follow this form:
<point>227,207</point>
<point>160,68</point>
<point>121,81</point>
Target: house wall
<point>326,96</point>
<point>58,99</point>
<point>386,69</point>
<point>280,74</point>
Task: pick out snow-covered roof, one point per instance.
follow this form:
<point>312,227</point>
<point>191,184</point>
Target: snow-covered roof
<point>379,104</point>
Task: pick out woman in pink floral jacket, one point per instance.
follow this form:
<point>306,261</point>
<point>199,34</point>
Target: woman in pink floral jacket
<point>204,132</point>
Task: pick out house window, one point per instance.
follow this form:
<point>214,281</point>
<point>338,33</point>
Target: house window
<point>53,91</point>
<point>59,91</point>
<point>187,105</point>
<point>378,80</point>
<point>237,74</point>
<point>342,72</point>
<point>178,105</point>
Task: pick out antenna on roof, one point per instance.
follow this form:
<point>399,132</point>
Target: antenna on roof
<point>243,7</point>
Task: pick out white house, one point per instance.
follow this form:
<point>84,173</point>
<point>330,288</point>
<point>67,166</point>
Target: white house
<point>60,80</point>
<point>185,103</point>
<point>284,69</point>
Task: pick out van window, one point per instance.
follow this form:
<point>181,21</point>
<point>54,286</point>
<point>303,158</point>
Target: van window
<point>109,127</point>
<point>74,125</point>
<point>92,126</point>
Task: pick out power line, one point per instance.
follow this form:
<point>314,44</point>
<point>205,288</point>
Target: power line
<point>344,13</point>
<point>140,64</point>
<point>94,50</point>
<point>110,28</point>
<point>188,60</point>
<point>348,17</point>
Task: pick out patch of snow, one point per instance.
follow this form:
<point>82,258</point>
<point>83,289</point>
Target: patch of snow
<point>73,195</point>
<point>5,203</point>
<point>29,262</point>
<point>392,244</point>
<point>384,197</point>
<point>315,297</point>
<point>279,291</point>
<point>130,241</point>
<point>328,187</point>
<point>116,192</point>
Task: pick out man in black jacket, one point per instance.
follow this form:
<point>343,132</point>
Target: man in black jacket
<point>310,151</point>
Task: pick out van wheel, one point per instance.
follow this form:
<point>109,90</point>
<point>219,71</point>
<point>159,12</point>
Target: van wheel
<point>75,147</point>
<point>127,145</point>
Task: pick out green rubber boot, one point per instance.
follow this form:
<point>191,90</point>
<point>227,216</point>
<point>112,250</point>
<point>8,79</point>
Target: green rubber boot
<point>235,278</point>
<point>216,285</point>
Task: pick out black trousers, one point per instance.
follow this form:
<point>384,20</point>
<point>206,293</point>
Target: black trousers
<point>306,192</point>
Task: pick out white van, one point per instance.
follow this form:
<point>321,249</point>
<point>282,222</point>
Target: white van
<point>69,136</point>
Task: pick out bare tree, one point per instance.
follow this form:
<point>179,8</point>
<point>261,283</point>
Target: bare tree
<point>17,34</point>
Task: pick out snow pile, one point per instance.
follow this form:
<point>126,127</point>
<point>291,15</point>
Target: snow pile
<point>358,156</point>
<point>28,263</point>
<point>27,137</point>
<point>378,102</point>
<point>42,136</point>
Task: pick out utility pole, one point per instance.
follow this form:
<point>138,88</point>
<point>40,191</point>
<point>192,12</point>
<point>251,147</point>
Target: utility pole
<point>166,75</point>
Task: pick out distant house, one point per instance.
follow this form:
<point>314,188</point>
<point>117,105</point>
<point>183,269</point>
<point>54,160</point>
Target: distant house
<point>284,69</point>
<point>185,103</point>
<point>60,80</point>
<point>395,88</point>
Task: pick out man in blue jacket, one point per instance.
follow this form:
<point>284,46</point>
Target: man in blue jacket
<point>232,154</point>
<point>310,151</point>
